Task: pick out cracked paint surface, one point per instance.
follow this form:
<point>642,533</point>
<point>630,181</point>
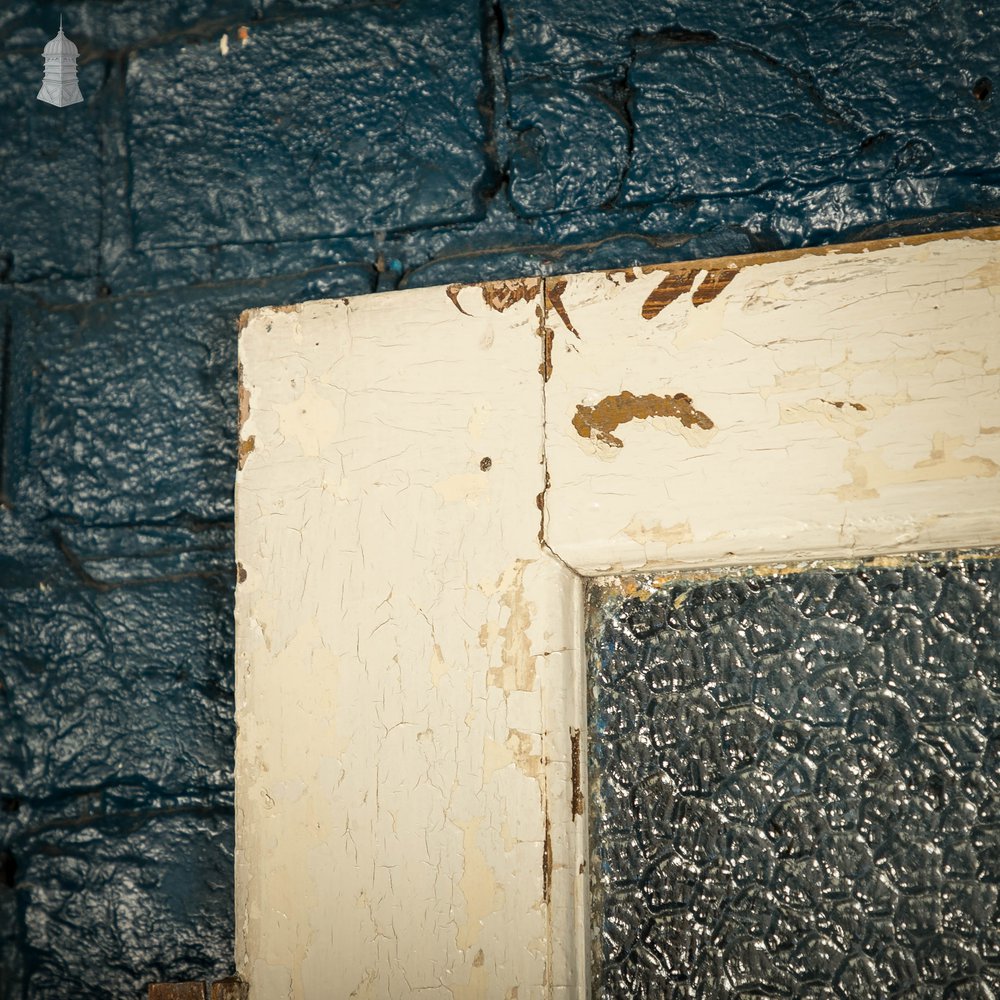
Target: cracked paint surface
<point>872,372</point>
<point>414,638</point>
<point>421,770</point>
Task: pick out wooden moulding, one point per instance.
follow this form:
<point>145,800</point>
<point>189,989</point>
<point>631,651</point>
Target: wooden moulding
<point>434,472</point>
<point>812,404</point>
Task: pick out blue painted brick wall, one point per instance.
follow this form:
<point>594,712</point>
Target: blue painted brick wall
<point>346,147</point>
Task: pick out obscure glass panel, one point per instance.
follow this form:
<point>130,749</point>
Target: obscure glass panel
<point>794,783</point>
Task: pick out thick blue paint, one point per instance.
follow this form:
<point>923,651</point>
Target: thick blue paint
<point>347,147</point>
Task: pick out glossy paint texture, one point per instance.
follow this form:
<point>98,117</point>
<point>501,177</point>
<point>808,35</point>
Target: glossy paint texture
<point>795,783</point>
<point>246,152</point>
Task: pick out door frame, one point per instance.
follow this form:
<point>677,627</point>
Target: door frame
<point>428,477</point>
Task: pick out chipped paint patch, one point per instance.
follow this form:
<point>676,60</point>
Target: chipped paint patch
<point>540,504</point>
<point>987,276</point>
<point>545,368</point>
<point>577,770</point>
<point>497,295</point>
<point>841,403</point>
<point>517,750</point>
<point>243,396</point>
<point>619,275</point>
<point>870,473</point>
<point>547,861</point>
<point>244,319</point>
<point>553,300</point>
<point>712,284</point>
<point>521,747</point>
<point>600,420</point>
<point>680,282</point>
<point>517,670</point>
<point>478,885</point>
<point>245,449</point>
<point>452,291</point>
<point>849,420</point>
<point>642,529</point>
<point>501,295</point>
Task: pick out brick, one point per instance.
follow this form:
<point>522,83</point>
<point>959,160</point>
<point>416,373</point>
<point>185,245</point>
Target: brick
<point>544,37</point>
<point>127,692</point>
<point>796,124</point>
<point>49,176</point>
<point>123,418</point>
<point>365,119</point>
<point>130,555</point>
<point>298,270</point>
<point>569,147</point>
<point>28,556</point>
<point>835,107</point>
<point>711,121</point>
<point>11,943</point>
<point>114,903</point>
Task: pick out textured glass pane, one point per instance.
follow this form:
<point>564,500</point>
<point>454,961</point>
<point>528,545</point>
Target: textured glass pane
<point>794,783</point>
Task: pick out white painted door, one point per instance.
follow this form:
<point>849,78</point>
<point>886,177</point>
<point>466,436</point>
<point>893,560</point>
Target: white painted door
<point>425,479</point>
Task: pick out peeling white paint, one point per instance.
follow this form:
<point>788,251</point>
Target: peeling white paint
<point>404,652</point>
<point>410,818</point>
<point>847,393</point>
